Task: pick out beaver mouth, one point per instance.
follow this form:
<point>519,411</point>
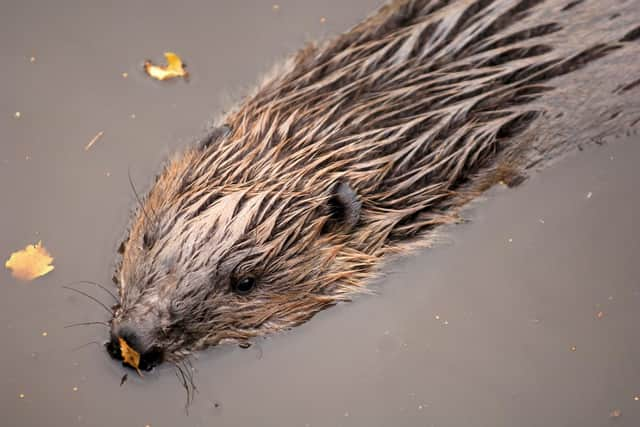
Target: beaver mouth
<point>148,360</point>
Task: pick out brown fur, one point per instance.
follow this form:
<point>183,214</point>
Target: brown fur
<point>419,109</point>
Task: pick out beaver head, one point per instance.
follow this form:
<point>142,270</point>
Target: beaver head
<point>205,264</point>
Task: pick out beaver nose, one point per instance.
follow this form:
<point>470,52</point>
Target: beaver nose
<point>149,355</point>
<point>135,338</point>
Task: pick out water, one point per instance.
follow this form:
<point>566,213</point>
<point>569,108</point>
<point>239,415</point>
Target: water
<point>497,326</point>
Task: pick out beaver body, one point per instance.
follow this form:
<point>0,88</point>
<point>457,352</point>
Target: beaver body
<point>359,148</point>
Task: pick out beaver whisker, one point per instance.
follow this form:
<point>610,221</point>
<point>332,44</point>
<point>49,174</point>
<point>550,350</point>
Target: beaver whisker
<point>137,196</point>
<point>92,298</point>
<point>185,376</point>
<point>73,325</point>
<point>188,367</point>
<point>183,381</point>
<point>89,282</point>
<point>80,347</point>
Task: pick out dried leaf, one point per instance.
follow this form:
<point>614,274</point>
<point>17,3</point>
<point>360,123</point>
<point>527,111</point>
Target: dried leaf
<point>129,355</point>
<point>30,263</point>
<point>174,68</point>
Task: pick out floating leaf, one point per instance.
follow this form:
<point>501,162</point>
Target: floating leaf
<point>30,263</point>
<point>129,355</point>
<point>174,68</point>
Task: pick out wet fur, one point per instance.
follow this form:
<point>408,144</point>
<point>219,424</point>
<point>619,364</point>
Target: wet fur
<point>418,109</point>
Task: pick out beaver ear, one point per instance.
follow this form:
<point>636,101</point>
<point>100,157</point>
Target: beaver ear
<point>213,135</point>
<point>344,207</point>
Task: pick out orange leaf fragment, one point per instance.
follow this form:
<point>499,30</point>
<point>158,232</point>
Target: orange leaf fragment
<point>30,263</point>
<point>174,68</point>
<point>129,355</point>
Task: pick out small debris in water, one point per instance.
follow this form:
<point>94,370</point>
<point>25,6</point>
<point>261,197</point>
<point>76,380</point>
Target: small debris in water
<point>610,298</point>
<point>275,7</point>
<point>445,323</point>
<point>541,221</point>
<point>75,388</point>
<point>108,173</point>
<point>32,59</point>
<point>17,114</point>
<point>636,398</point>
<point>437,316</point>
<point>125,75</point>
<point>510,240</point>
<point>133,116</point>
<point>93,140</point>
<point>21,396</point>
<point>573,348</point>
<point>323,20</point>
<point>589,194</point>
<point>615,413</point>
<point>45,333</point>
<point>124,379</point>
<point>600,314</point>
<point>346,414</point>
<point>27,157</point>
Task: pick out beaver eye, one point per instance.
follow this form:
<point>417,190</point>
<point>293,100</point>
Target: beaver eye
<point>243,285</point>
<point>147,240</point>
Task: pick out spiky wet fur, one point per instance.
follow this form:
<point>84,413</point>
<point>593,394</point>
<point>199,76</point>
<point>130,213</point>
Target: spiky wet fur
<point>419,108</point>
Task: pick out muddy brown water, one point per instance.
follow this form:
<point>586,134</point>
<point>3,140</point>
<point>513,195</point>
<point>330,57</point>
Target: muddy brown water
<point>497,326</point>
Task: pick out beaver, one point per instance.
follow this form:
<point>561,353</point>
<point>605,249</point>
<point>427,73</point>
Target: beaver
<point>358,148</point>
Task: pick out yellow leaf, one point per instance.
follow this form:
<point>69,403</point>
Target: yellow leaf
<point>30,263</point>
<point>174,68</point>
<point>129,355</point>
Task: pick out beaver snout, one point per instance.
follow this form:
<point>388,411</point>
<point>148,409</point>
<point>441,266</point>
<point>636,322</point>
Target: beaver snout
<point>137,340</point>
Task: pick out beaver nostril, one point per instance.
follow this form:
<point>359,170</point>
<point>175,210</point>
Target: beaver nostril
<point>151,359</point>
<point>113,348</point>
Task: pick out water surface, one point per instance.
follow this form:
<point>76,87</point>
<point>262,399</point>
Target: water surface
<point>497,326</point>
